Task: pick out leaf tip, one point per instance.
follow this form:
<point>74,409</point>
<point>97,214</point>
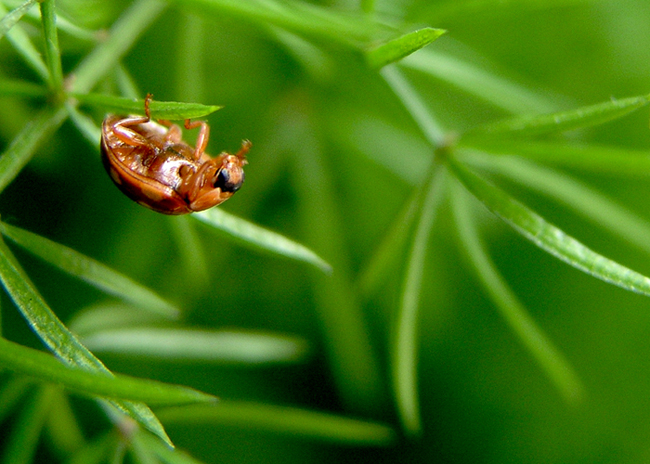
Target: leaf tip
<point>402,46</point>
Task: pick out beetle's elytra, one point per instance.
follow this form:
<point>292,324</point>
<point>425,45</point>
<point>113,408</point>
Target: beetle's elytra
<point>151,164</point>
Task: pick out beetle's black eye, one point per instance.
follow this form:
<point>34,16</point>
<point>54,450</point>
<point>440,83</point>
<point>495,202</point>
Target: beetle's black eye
<point>226,183</point>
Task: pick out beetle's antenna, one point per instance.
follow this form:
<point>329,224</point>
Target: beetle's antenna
<point>241,154</point>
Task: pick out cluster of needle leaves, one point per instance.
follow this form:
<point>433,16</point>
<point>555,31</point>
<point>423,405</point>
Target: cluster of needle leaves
<point>517,148</point>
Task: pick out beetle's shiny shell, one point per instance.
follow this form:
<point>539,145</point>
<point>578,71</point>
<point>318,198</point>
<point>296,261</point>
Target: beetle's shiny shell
<point>150,174</point>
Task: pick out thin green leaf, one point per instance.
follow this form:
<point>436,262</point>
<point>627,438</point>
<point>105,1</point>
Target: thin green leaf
<point>52,52</point>
<point>430,127</point>
<point>304,19</point>
<point>390,250</point>
<point>550,359</point>
<point>405,346</point>
<point>25,48</point>
<point>584,200</point>
<point>20,446</point>
<point>548,237</point>
<point>489,86</point>
<point>24,145</point>
<point>14,16</point>
<point>350,351</point>
<point>159,110</point>
<point>593,158</point>
<point>90,271</point>
<point>450,11</point>
<point>58,338</point>
<point>192,38</point>
<point>224,346</point>
<point>22,89</point>
<point>107,316</point>
<point>400,47</point>
<point>585,116</point>
<point>34,363</point>
<point>259,238</point>
<point>121,37</point>
<point>292,422</point>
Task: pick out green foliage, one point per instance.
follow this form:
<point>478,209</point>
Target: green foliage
<point>379,129</point>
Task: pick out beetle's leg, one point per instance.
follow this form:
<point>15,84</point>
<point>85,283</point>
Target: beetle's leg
<point>174,134</point>
<point>202,139</point>
<point>128,136</point>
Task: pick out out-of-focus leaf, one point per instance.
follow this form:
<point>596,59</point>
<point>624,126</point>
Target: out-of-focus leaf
<point>34,363</point>
<point>14,16</point>
<point>222,346</point>
<point>287,421</point>
<point>585,116</point>
<point>59,339</point>
<point>551,360</point>
<point>404,352</point>
<point>89,270</point>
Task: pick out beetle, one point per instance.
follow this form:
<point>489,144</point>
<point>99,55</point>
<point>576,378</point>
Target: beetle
<point>152,164</point>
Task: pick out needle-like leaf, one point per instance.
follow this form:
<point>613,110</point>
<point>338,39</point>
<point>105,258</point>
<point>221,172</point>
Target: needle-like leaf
<point>34,363</point>
<point>402,46</point>
<point>59,339</point>
<point>90,270</point>
<point>159,110</point>
<point>548,237</point>
<point>258,238</point>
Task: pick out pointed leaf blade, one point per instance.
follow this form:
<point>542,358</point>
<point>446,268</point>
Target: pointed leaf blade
<point>159,110</point>
<point>400,47</point>
<point>585,116</point>
<point>259,238</point>
<point>56,336</point>
<point>548,237</point>
<point>90,271</point>
<point>34,363</point>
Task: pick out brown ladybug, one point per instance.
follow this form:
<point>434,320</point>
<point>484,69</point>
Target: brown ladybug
<point>151,164</point>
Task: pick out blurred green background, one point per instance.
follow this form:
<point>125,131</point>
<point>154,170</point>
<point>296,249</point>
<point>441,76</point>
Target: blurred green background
<point>326,131</point>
